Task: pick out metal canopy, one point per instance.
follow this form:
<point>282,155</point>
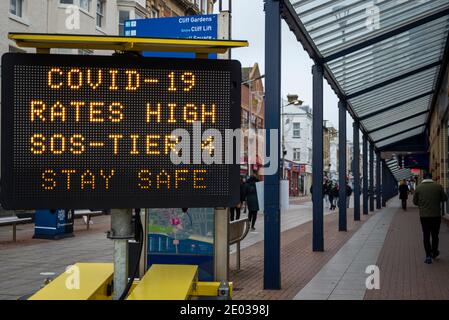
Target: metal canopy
<point>398,172</point>
<point>384,57</point>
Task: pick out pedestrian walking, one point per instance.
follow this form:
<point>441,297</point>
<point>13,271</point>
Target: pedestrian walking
<point>334,196</point>
<point>326,192</point>
<point>428,197</point>
<point>348,194</point>
<point>235,211</point>
<point>403,193</point>
<point>251,199</point>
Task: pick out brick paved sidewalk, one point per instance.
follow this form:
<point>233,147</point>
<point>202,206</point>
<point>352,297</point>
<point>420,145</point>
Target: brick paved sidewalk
<point>25,232</point>
<point>298,263</point>
<point>403,273</point>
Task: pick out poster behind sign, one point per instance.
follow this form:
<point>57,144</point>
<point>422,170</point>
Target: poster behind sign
<point>182,236</point>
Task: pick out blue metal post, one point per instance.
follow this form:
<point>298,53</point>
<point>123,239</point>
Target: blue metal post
<point>384,184</point>
<point>356,170</point>
<point>378,182</point>
<point>371,177</point>
<point>365,174</point>
<point>317,158</point>
<point>342,165</point>
<point>272,216</point>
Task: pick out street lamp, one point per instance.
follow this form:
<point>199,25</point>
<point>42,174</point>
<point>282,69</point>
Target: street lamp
<point>292,100</point>
<point>250,107</point>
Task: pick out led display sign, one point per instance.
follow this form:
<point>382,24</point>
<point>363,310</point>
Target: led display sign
<point>97,131</point>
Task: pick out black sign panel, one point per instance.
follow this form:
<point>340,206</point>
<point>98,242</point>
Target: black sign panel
<point>97,131</point>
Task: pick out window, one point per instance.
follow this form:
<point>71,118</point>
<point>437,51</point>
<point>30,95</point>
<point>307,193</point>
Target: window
<point>296,130</point>
<point>123,16</point>
<point>296,154</point>
<point>154,13</point>
<point>100,13</point>
<point>138,15</point>
<point>85,5</point>
<point>16,7</point>
<point>244,118</point>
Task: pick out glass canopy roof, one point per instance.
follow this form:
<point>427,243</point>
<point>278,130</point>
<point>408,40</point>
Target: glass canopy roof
<point>397,172</point>
<point>383,56</point>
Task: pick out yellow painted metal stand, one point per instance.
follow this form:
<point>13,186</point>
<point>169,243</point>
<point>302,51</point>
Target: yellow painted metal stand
<point>166,282</point>
<point>85,281</point>
<point>44,42</point>
<point>93,281</point>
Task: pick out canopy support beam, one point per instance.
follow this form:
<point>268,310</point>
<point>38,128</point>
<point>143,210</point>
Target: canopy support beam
<point>342,223</point>
<point>272,212</point>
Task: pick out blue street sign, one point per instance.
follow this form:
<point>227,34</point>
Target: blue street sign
<point>188,27</point>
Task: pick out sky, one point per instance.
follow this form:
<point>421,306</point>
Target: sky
<point>248,23</point>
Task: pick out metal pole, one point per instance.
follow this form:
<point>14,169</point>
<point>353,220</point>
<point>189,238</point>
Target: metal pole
<point>378,184</point>
<point>272,213</point>
<point>365,174</point>
<point>356,170</point>
<point>317,159</point>
<point>283,140</point>
<point>371,177</point>
<point>121,232</point>
<point>250,106</point>
<point>342,224</point>
<point>384,184</point>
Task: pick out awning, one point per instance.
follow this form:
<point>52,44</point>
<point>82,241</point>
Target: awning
<point>385,58</point>
<point>398,172</point>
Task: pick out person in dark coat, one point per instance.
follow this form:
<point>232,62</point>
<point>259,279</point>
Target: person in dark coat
<point>334,193</point>
<point>429,196</point>
<point>235,211</point>
<point>403,194</point>
<point>348,194</point>
<point>251,199</point>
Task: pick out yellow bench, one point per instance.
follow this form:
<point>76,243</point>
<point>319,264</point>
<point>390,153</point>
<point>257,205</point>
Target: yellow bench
<point>84,281</point>
<point>166,282</point>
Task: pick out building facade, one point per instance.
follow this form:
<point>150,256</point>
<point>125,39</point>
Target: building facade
<point>97,17</point>
<point>94,17</point>
<point>252,116</point>
<point>297,142</point>
<point>438,136</point>
<point>330,156</point>
<point>173,8</point>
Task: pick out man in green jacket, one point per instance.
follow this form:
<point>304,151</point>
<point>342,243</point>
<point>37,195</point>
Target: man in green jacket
<point>428,197</point>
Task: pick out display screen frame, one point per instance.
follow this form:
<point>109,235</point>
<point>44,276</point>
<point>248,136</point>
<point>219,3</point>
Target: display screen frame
<point>11,200</point>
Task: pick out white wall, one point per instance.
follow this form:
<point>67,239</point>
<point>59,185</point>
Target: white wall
<point>334,158</point>
<point>296,114</point>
